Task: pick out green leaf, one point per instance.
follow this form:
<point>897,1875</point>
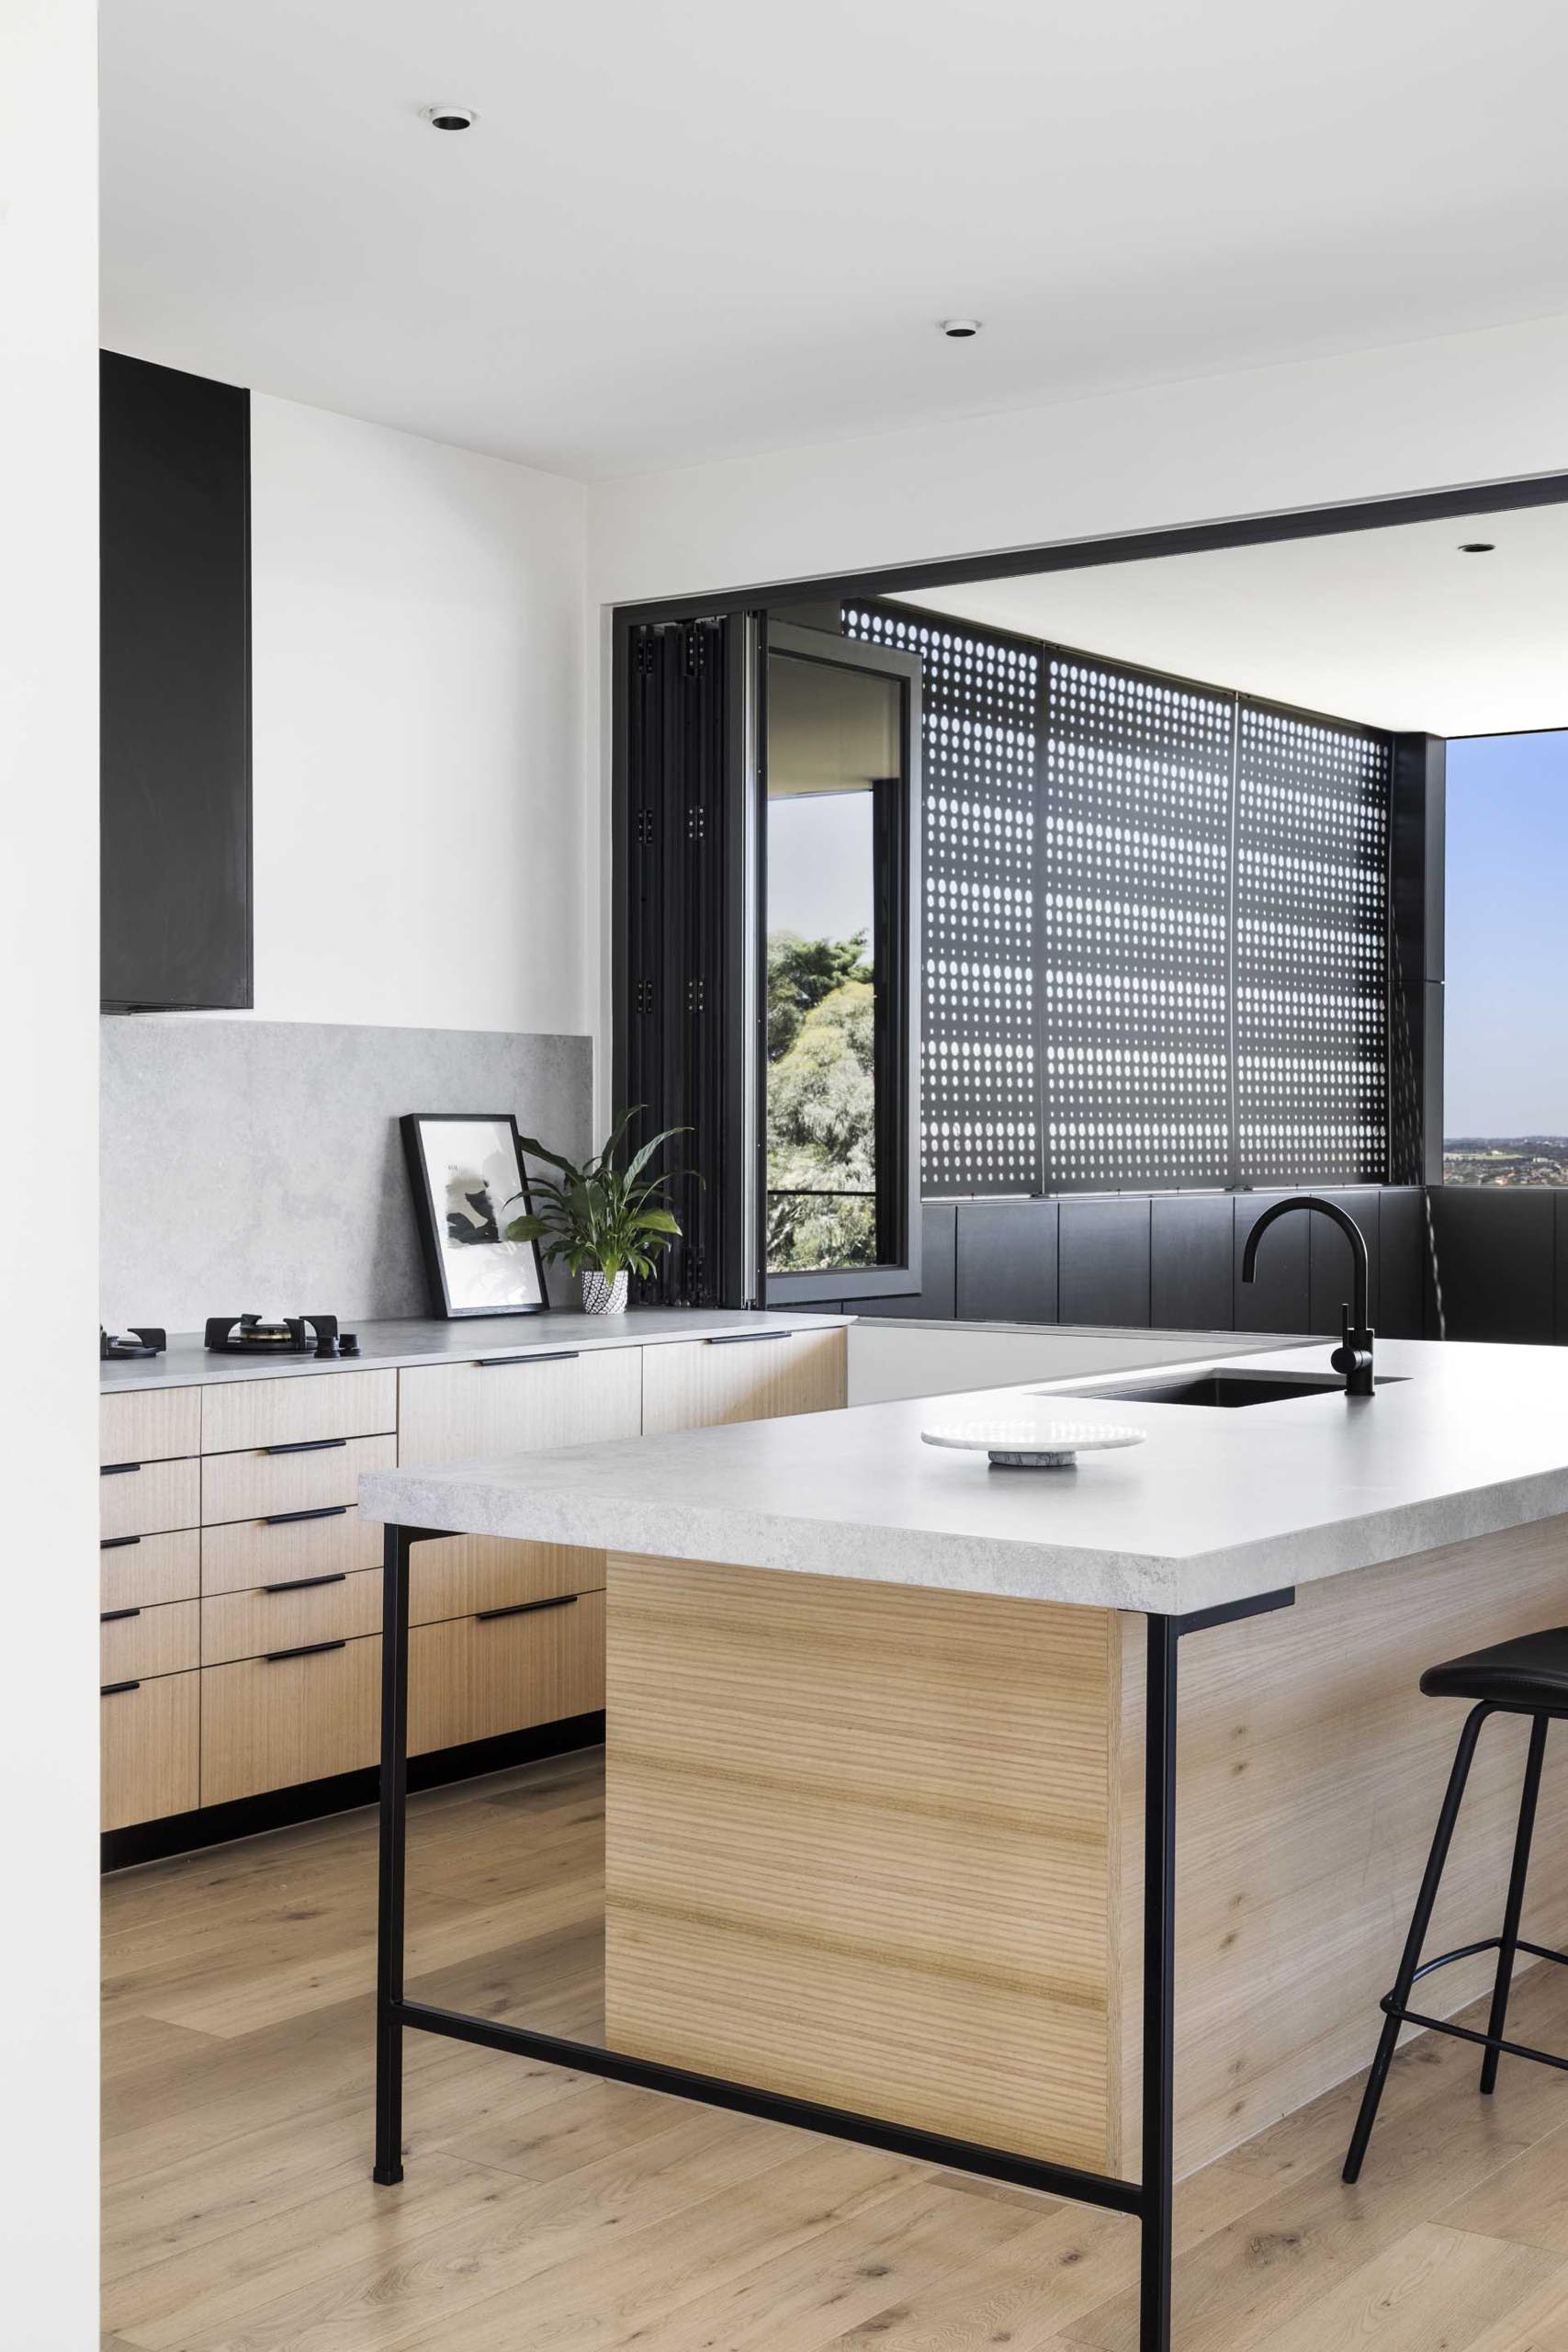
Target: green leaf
<point>526,1229</point>
<point>535,1151</point>
<point>656,1221</point>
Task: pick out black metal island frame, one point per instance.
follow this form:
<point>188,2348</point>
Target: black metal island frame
<point>1148,2199</point>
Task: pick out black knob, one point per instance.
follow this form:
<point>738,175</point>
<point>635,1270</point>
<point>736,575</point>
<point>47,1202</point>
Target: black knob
<point>348,1343</point>
<point>326,1345</point>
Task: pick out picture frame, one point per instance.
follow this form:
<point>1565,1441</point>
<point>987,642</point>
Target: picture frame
<point>465,1169</point>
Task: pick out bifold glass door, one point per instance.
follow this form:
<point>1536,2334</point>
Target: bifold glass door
<point>838,864</point>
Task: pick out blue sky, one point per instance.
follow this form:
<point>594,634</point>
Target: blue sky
<point>820,865</point>
<point>1505,1017</point>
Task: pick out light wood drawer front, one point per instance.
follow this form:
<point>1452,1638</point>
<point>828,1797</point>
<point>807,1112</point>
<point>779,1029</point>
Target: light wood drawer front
<point>463,1574</point>
<point>148,1750</point>
<point>133,1646</point>
<point>266,1725</point>
<point>275,1551</point>
<point>148,1424</point>
<point>696,1384</point>
<point>474,1677</point>
<point>461,1412</point>
<point>141,1571</point>
<point>151,1499</point>
<point>252,1625</point>
<point>291,1410</point>
<point>257,1486</point>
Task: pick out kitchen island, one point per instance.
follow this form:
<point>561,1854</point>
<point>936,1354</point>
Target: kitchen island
<point>893,1755</point>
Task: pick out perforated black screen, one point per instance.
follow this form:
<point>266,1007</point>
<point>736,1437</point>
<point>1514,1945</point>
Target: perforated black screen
<point>1154,925</point>
<point>1312,948</point>
<point>980,923</point>
<point>1137,822</point>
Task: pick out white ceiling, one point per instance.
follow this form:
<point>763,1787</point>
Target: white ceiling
<point>693,228</point>
<point>1393,628</point>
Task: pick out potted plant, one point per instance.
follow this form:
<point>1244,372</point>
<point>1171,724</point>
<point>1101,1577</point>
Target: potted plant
<point>606,1222</point>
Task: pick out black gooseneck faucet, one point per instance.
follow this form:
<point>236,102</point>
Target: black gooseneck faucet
<point>1353,1356</point>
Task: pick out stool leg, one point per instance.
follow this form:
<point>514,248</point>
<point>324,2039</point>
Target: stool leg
<point>1410,1959</point>
<point>1511,1918</point>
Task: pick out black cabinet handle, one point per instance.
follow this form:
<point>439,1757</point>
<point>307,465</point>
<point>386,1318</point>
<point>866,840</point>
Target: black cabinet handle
<point>112,1690</point>
<point>291,1518</point>
<point>307,1584</point>
<point>308,1445</point>
<point>523,1609</point>
<point>113,1616</point>
<point>119,1469</point>
<point>306,1649</point>
<point>745,1339</point>
<point>548,1355</point>
<point>117,1542</point>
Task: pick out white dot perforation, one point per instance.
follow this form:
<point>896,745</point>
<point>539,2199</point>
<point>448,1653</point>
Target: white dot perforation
<point>980,696</point>
<point>1154,925</point>
<point>1312,963</point>
<point>1135,825</point>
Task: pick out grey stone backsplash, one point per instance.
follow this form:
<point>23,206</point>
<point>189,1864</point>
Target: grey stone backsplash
<point>258,1163</point>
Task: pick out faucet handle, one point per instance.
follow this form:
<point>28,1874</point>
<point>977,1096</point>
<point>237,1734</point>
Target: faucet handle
<point>1353,1356</point>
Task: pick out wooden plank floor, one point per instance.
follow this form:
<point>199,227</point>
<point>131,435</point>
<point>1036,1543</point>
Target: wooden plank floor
<point>544,2213</point>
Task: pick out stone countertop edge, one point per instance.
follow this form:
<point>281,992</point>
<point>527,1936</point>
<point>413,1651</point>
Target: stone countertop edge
<point>410,1343</point>
<point>1218,1508</point>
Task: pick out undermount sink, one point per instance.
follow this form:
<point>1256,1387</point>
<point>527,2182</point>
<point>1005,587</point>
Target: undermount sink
<point>1221,1388</point>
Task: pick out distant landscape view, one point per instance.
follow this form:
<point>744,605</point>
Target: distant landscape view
<point>1505,1020</point>
<point>1505,1159</point>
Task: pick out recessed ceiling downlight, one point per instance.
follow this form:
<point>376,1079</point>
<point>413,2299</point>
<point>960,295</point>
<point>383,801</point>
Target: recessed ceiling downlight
<point>1478,546</point>
<point>446,118</point>
<point>958,330</point>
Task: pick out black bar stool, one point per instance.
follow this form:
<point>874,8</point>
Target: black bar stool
<point>1528,1676</point>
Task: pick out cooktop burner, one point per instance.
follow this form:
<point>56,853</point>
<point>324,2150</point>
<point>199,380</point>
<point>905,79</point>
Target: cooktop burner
<point>280,1335</point>
<point>141,1339</point>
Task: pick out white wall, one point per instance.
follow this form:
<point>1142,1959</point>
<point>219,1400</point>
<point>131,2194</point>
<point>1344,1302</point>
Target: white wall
<point>1457,410</point>
<point>49,946</point>
<point>418,667</point>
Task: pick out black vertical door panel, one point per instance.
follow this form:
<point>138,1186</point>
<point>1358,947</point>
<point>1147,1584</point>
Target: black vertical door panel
<point>1104,1263</point>
<point>679,920</point>
<point>1007,1262</point>
<point>1192,1278</point>
<point>176,661</point>
<point>1496,1253</point>
<point>1404,1275</point>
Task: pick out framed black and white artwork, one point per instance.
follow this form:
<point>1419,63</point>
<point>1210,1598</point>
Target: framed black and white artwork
<point>468,1187</point>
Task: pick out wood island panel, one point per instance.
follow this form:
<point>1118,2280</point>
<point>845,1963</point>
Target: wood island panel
<point>1310,1770</point>
<point>859,1847</point>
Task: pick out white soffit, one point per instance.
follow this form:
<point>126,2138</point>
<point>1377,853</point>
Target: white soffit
<point>1394,628</point>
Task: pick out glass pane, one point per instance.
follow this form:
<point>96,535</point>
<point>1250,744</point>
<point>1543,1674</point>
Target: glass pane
<point>1505,1078</point>
<point>834,736</point>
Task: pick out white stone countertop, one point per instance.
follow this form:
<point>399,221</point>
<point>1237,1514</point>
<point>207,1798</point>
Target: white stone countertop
<point>1217,1506</point>
<point>186,1363</point>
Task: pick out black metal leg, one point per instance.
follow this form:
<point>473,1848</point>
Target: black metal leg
<point>1159,1985</point>
<point>1515,1911</point>
<point>394,1833</point>
<point>1410,1959</point>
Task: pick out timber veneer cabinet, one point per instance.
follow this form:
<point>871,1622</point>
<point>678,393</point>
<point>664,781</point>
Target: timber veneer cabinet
<point>241,1594</point>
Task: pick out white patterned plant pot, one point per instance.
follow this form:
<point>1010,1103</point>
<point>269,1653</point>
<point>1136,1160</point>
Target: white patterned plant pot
<point>605,1293</point>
